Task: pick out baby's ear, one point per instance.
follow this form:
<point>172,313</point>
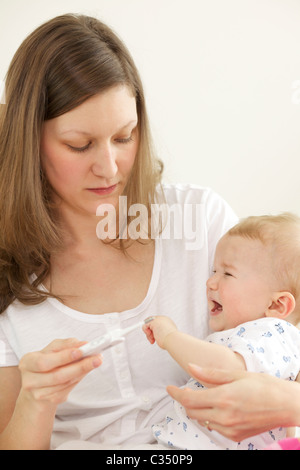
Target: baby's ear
<point>283,304</point>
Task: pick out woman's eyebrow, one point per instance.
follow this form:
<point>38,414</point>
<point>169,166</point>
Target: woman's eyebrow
<point>80,131</point>
<point>75,131</point>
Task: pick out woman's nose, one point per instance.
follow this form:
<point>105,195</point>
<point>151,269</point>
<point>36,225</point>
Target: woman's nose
<point>105,164</point>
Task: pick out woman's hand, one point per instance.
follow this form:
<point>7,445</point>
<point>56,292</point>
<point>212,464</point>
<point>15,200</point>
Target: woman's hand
<point>158,329</point>
<point>240,404</point>
<point>48,376</point>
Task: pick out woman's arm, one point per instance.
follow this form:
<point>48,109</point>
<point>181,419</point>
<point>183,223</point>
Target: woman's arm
<point>44,379</point>
<point>186,349</point>
<point>10,386</point>
<point>240,404</point>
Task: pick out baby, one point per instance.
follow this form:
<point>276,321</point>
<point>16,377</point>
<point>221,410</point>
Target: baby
<point>253,291</point>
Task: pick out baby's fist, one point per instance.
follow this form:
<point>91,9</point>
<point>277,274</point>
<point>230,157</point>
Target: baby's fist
<point>158,329</point>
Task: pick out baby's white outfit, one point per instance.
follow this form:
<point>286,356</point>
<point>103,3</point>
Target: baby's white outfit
<point>268,345</point>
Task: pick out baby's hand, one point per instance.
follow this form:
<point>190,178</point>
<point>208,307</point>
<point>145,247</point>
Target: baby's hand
<point>158,329</point>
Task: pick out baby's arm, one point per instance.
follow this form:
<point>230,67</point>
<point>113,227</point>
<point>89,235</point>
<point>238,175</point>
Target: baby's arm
<point>186,349</point>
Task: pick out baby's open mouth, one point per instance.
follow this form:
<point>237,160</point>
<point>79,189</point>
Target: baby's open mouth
<point>217,307</point>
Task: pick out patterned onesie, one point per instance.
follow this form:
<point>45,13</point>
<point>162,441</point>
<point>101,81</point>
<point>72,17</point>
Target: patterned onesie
<point>268,345</point>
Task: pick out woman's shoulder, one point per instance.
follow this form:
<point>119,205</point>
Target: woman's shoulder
<point>17,311</point>
<point>190,194</point>
<point>213,205</point>
<point>185,193</point>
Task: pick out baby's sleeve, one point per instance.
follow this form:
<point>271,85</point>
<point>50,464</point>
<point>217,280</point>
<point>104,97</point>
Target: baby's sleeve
<point>268,345</point>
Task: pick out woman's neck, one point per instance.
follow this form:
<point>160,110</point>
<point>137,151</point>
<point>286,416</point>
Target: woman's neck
<point>79,229</point>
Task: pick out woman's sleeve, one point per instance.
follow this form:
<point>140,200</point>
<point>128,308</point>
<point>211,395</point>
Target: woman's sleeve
<point>8,357</point>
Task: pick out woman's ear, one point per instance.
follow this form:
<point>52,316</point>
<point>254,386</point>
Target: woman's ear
<point>283,304</point>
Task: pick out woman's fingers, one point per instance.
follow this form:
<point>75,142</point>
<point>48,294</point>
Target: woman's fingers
<point>60,344</point>
<point>56,354</point>
<point>199,405</point>
<point>63,374</point>
<point>190,399</point>
<point>236,404</point>
<point>49,375</point>
<point>59,364</point>
<point>57,393</point>
<point>211,407</point>
<point>215,376</point>
<point>41,362</point>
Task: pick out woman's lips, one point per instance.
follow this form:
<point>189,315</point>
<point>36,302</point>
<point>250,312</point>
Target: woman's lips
<point>103,191</point>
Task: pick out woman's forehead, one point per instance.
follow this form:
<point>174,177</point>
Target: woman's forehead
<point>113,110</point>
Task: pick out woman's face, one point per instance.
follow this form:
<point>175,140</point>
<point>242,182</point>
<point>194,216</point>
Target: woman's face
<point>88,153</point>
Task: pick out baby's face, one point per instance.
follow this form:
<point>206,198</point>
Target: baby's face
<point>242,283</point>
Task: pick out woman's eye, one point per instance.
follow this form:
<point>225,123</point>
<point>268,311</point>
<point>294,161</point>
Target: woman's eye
<point>79,149</point>
<point>124,140</point>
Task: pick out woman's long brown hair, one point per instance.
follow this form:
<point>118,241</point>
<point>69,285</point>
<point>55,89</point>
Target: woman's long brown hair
<point>60,65</point>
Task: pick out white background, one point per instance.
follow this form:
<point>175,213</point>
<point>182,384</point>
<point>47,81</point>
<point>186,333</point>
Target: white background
<point>222,82</point>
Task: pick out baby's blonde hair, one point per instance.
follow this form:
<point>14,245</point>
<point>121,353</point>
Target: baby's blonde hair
<point>281,235</point>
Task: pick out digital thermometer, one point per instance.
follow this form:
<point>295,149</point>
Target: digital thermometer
<point>110,339</point>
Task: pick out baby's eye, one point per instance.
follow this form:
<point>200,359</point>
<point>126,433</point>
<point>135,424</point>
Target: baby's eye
<point>228,274</point>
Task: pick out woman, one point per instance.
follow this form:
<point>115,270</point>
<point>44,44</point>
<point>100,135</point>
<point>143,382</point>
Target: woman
<point>74,137</point>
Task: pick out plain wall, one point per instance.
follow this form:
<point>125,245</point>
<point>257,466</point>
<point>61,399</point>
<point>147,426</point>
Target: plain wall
<point>222,82</point>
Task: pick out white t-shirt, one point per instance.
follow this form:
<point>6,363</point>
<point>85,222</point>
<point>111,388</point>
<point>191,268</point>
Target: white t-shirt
<point>120,401</point>
<point>268,345</point>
